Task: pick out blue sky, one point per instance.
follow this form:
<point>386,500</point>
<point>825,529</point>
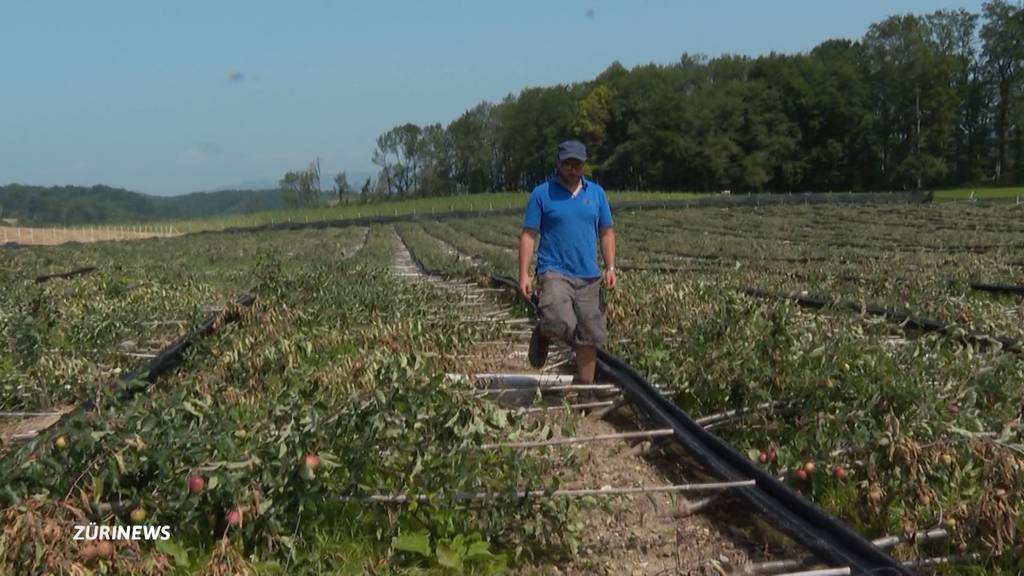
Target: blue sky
<point>176,97</point>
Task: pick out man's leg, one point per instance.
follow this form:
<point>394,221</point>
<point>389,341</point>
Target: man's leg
<point>586,363</point>
<point>591,330</point>
<point>557,320</point>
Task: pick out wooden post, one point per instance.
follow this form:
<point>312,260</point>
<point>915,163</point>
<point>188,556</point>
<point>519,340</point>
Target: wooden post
<point>580,439</point>
<point>520,494</point>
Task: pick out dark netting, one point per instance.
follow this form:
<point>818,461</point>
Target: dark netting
<point>899,317</point>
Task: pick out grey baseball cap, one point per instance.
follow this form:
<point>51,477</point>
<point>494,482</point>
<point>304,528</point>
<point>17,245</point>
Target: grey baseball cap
<point>572,149</point>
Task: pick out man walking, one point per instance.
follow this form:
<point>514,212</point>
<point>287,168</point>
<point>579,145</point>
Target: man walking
<point>572,216</point>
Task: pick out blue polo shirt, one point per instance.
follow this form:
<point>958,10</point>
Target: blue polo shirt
<point>568,227</point>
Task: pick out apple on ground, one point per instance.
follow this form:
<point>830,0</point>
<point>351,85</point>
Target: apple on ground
<point>138,515</point>
<point>89,552</point>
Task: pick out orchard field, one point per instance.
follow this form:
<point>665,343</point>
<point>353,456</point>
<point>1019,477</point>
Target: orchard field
<point>907,429</point>
<point>332,383</point>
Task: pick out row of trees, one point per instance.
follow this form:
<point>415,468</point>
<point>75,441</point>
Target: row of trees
<point>919,101</point>
<point>302,188</point>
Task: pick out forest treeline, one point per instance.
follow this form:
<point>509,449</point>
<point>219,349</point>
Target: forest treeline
<point>920,101</point>
<point>76,205</point>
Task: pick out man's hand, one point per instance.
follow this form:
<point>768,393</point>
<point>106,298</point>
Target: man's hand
<point>525,286</point>
<point>609,278</point>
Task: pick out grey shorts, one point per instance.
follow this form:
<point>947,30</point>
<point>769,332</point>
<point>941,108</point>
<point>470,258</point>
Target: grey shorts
<point>572,309</point>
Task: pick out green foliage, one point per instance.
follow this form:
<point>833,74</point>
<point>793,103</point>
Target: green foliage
<point>923,425</point>
<point>337,358</point>
<point>459,555</point>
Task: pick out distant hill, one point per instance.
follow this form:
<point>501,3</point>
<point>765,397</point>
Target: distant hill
<point>75,205</point>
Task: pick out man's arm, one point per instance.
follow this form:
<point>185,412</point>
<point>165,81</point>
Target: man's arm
<point>607,240</point>
<point>527,239</point>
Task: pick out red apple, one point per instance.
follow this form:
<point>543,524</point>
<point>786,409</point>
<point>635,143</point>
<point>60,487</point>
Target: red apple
<point>839,472</point>
<point>762,458</point>
<point>196,483</point>
<point>809,467</point>
<point>312,461</point>
<point>234,517</point>
<point>104,549</point>
<point>801,474</point>
<point>89,552</point>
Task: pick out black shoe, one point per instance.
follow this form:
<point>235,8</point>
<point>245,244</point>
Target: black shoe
<point>538,353</point>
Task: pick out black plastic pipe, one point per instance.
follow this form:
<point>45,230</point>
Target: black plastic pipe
<point>825,536</point>
<point>903,318</point>
<point>71,274</point>
<point>998,288</point>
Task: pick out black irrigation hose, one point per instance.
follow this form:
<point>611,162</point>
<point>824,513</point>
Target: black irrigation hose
<point>172,355</point>
<point>998,288</point>
<point>903,318</point>
<point>167,359</point>
<point>822,534</point>
<point>825,536</point>
<point>71,274</point>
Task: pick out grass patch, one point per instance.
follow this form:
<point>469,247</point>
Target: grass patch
<point>489,202</point>
<point>980,193</point>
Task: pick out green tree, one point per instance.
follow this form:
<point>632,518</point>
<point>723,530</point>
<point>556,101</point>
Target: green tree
<point>914,100</point>
<point>302,187</point>
<point>1003,47</point>
<point>341,186</point>
<point>475,150</point>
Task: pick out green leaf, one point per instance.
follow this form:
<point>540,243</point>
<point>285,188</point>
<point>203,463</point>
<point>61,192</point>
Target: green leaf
<point>97,487</point>
<point>451,555</point>
<point>173,550</point>
<point>479,549</point>
<point>417,543</point>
